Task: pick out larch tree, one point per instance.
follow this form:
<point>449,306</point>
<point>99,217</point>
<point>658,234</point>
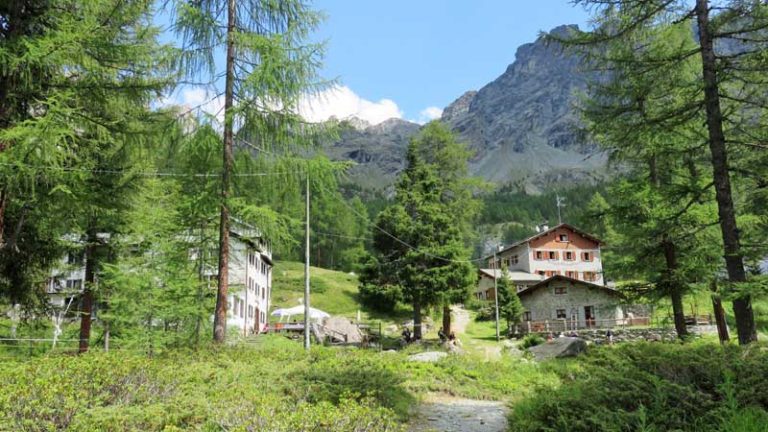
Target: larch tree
<point>79,84</point>
<point>267,67</point>
<point>728,55</point>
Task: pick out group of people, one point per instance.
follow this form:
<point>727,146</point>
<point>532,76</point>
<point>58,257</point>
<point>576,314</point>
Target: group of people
<point>450,338</point>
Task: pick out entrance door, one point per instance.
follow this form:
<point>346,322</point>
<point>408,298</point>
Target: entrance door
<point>589,316</point>
<point>257,322</point>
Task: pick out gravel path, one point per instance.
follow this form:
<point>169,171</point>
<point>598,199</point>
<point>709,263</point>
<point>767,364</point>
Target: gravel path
<point>449,414</point>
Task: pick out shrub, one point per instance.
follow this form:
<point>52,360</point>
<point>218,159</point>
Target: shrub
<point>532,340</point>
<point>653,387</point>
<point>486,313</point>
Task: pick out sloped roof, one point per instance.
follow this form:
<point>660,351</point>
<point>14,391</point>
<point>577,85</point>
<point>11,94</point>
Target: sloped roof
<point>513,275</point>
<point>543,233</point>
<point>568,279</point>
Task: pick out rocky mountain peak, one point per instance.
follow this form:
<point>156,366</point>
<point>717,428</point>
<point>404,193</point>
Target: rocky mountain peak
<point>522,126</point>
<point>458,107</point>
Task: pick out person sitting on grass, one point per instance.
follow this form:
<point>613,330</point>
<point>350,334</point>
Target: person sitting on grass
<point>406,334</point>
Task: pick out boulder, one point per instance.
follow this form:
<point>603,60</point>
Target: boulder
<point>558,348</point>
<point>428,356</point>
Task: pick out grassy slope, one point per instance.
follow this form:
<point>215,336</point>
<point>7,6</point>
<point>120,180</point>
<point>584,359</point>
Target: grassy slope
<point>332,291</point>
<point>701,303</point>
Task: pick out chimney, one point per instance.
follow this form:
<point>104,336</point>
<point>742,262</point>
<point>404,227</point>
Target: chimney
<point>544,227</point>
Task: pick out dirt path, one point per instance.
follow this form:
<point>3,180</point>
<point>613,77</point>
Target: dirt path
<point>460,319</point>
<point>440,413</point>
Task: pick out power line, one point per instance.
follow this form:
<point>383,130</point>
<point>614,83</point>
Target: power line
<point>146,173</point>
<point>403,242</point>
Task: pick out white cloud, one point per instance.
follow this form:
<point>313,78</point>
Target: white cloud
<point>430,113</point>
<point>198,99</point>
<point>341,102</point>
<point>338,101</point>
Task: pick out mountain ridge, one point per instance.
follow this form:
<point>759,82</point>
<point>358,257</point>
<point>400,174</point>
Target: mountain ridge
<point>523,127</point>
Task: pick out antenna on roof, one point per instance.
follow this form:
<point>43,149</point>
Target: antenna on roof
<point>560,203</point>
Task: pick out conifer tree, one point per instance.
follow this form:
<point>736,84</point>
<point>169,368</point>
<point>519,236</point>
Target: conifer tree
<point>268,65</point>
<point>727,57</point>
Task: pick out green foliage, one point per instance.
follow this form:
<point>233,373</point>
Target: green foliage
<point>510,307</point>
<point>653,387</point>
<point>422,246</point>
<point>531,340</point>
<point>236,389</point>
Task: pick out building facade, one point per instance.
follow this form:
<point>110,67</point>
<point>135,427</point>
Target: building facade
<point>250,280</point>
<point>561,304</point>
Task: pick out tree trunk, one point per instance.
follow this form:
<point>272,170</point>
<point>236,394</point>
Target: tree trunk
<point>674,288</point>
<point>416,319</point>
<point>86,308</point>
<point>447,319</point>
<point>220,315</point>
<point>719,312</point>
<point>3,205</point>
<point>734,262</point>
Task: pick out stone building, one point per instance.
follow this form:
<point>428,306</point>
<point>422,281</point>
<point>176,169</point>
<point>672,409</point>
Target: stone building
<point>561,303</point>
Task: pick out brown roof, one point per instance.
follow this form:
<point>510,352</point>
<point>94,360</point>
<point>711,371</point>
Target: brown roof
<point>566,278</point>
<point>543,233</point>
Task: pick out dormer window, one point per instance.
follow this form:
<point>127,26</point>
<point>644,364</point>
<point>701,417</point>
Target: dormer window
<point>563,238</point>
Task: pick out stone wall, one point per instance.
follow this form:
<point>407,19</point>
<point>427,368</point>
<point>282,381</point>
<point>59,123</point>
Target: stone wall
<point>598,336</point>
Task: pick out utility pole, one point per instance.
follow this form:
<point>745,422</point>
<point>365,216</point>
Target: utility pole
<point>306,271</point>
<point>560,203</point>
<point>496,290</point>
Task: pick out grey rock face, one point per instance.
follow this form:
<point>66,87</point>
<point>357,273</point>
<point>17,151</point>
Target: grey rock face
<point>523,127</point>
<point>558,348</point>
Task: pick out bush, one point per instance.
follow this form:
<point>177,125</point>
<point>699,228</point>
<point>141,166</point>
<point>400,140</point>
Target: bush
<point>486,313</point>
<point>532,340</point>
<point>216,389</point>
<point>654,387</point>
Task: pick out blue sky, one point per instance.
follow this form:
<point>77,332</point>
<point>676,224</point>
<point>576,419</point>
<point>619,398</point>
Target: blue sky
<point>425,53</point>
<point>409,59</point>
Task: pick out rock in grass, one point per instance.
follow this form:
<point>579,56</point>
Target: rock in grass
<point>428,357</point>
<point>559,347</point>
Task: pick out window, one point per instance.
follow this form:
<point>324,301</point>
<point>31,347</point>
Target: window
<point>562,238</point>
<point>234,311</point>
<point>506,262</point>
<point>514,259</point>
<point>263,293</point>
<point>553,255</point>
<point>74,258</point>
<point>541,273</point>
<point>520,287</point>
<point>590,276</point>
<point>560,313</point>
<point>242,309</point>
<point>572,274</point>
<point>569,256</point>
<point>560,290</point>
<point>527,316</point>
<point>539,255</point>
<point>250,311</point>
<point>586,256</point>
<point>550,273</point>
<point>74,284</point>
